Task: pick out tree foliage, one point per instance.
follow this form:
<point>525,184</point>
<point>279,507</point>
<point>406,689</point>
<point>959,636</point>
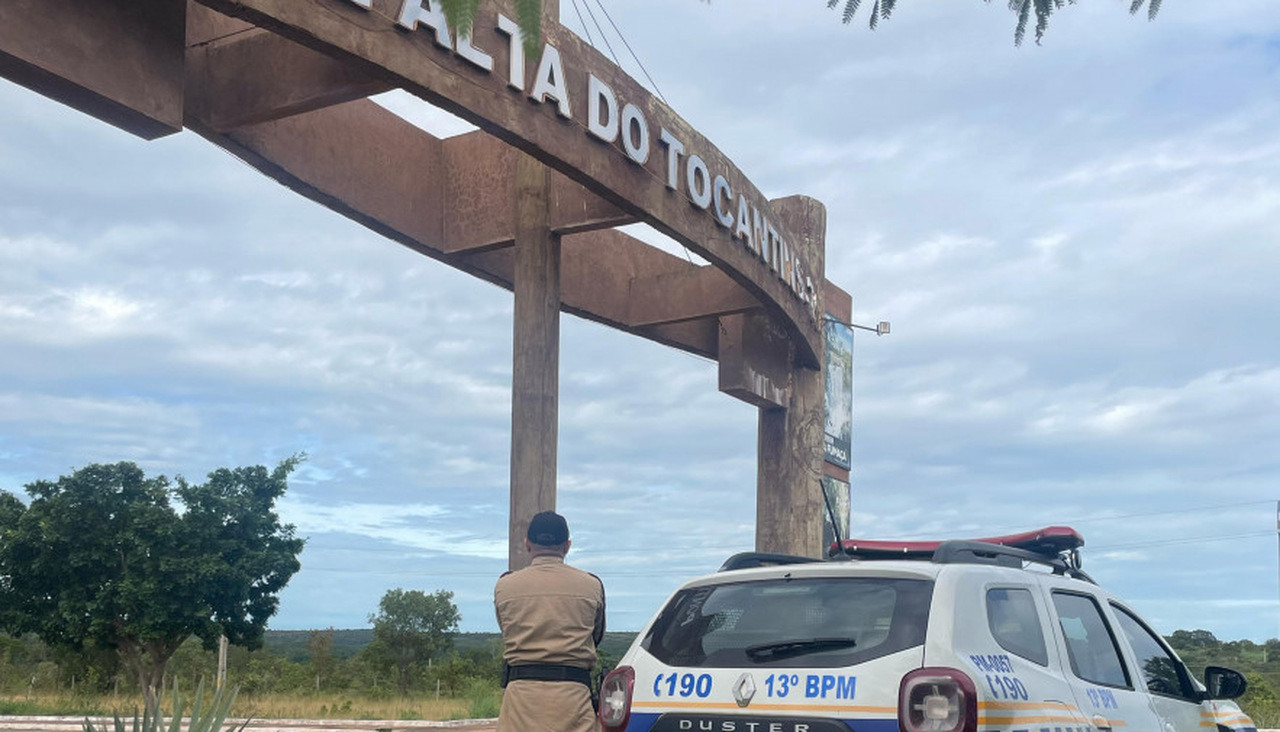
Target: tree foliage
<point>320,651</point>
<point>411,628</point>
<point>1042,10</point>
<point>1260,663</point>
<point>102,558</point>
<point>461,13</point>
<point>1202,639</point>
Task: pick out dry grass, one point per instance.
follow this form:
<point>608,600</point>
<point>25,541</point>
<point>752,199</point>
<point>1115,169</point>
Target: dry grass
<point>268,706</point>
<point>345,706</point>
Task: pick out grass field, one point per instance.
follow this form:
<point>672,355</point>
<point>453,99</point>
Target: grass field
<point>480,702</point>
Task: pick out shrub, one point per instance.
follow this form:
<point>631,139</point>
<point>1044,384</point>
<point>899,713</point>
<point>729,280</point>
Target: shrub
<point>203,718</point>
<point>485,699</point>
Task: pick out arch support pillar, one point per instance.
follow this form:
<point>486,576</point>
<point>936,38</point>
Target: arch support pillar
<point>789,505</point>
<point>535,377</point>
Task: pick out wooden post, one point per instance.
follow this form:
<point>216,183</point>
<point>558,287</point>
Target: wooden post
<point>535,379</point>
<point>789,506</point>
<point>222,663</point>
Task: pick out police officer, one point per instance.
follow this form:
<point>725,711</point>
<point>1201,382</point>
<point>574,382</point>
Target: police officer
<point>552,618</point>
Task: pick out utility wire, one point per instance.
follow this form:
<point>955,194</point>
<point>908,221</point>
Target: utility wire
<point>602,34</point>
<point>414,551</point>
<point>1069,522</point>
<point>426,572</point>
<point>1201,509</point>
<point>1172,512</point>
<point>632,52</point>
<point>434,573</point>
<point>1187,540</point>
<point>578,10</point>
<point>417,552</point>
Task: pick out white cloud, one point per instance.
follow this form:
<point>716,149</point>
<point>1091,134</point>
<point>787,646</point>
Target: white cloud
<point>411,527</point>
<point>1075,244</point>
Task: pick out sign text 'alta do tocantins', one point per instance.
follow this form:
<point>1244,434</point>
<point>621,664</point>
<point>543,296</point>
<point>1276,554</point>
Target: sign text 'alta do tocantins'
<point>606,121</point>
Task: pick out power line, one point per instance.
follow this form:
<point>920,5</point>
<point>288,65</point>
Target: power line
<point>639,63</point>
<point>602,34</point>
<point>1185,540</point>
<point>432,573</point>
<point>411,551</point>
<point>667,573</point>
<point>1200,509</point>
<point>577,10</point>
<point>1174,511</point>
<point>1145,514</point>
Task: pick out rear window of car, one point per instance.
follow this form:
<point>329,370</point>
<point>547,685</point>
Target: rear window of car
<point>1015,623</point>
<point>793,622</point>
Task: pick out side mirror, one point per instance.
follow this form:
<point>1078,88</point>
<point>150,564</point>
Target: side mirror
<point>1223,683</point>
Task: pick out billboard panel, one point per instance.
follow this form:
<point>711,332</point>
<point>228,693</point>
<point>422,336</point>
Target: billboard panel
<point>838,496</point>
<point>838,433</point>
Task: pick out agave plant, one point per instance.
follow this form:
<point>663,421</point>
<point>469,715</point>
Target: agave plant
<point>204,717</point>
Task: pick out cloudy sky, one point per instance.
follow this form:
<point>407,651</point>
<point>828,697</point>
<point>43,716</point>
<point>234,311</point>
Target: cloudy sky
<point>1075,243</point>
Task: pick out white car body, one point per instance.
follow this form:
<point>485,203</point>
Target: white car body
<point>914,645</point>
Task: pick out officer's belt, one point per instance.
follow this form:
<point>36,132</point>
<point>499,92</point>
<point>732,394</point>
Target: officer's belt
<point>548,672</point>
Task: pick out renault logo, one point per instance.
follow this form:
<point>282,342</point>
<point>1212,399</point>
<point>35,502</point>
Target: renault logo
<point>743,689</point>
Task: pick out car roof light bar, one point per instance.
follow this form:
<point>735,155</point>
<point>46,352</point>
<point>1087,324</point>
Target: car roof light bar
<point>977,552</point>
<point>1051,541</point>
<point>1055,547</point>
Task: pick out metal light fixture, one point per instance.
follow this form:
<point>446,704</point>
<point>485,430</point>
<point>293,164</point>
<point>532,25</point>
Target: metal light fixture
<point>882,328</point>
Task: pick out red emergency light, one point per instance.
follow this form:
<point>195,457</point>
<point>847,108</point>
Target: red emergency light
<point>1050,541</point>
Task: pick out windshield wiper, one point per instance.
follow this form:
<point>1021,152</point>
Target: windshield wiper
<point>797,647</point>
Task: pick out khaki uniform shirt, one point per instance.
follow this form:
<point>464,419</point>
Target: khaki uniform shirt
<point>549,613</point>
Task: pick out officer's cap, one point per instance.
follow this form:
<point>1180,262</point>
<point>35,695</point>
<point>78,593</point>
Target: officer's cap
<point>548,529</point>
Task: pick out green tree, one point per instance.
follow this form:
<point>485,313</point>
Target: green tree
<point>103,558</point>
<point>320,650</point>
<point>412,627</point>
<point>1194,639</point>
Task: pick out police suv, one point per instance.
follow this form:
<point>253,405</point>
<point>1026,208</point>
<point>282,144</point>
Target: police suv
<point>953,636</point>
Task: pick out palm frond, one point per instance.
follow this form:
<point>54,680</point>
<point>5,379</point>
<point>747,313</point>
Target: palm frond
<point>529,18</point>
<point>1023,9</point>
<point>466,17</point>
<point>460,15</point>
<point>1044,8</point>
<point>1153,8</point>
<point>850,7</point>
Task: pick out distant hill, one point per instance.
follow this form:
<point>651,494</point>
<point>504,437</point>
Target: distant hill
<point>292,644</point>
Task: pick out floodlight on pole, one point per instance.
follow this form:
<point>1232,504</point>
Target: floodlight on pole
<point>882,328</point>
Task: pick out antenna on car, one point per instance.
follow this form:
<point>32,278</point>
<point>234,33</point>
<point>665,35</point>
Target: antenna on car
<point>835,525</point>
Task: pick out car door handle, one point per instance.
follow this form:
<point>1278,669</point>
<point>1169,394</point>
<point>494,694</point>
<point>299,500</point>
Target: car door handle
<point>1101,723</point>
